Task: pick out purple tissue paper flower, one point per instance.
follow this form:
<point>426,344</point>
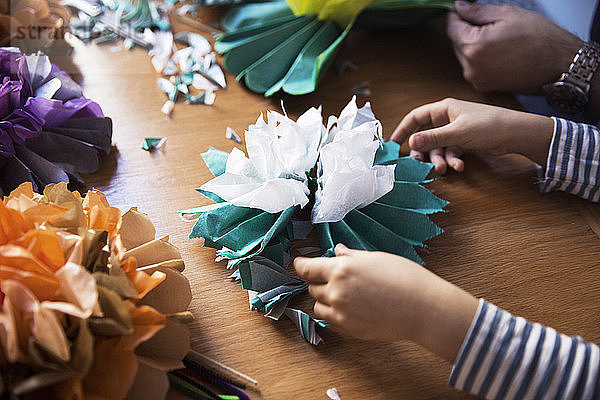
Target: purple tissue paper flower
<point>67,135</point>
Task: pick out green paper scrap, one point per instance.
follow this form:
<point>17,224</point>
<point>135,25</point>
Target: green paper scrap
<point>413,196</point>
<point>308,67</point>
<point>231,40</point>
<point>256,247</point>
<point>272,282</point>
<point>307,325</point>
<point>270,299</point>
<point>262,275</point>
<point>151,144</point>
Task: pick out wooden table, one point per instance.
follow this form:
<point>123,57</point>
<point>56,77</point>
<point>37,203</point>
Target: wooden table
<point>532,254</point>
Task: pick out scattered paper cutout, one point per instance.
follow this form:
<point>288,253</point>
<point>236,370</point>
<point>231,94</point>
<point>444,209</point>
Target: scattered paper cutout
<point>151,144</point>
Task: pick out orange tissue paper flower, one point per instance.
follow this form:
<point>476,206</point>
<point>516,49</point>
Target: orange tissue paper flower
<point>85,295</point>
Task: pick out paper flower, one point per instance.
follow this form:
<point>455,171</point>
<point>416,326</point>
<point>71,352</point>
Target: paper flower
<point>280,154</point>
<point>365,197</point>
<point>49,133</point>
<point>276,46</point>
<point>89,299</point>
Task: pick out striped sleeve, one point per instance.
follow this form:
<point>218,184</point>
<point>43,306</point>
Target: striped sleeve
<point>573,163</point>
<point>507,357</point>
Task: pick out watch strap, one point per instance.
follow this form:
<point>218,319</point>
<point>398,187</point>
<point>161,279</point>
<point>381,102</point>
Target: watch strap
<point>584,65</point>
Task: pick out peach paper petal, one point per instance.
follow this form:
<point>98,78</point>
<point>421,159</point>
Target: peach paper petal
<point>43,324</point>
<point>58,194</point>
<point>44,287</point>
<point>16,256</point>
<point>44,245</point>
<point>8,334</point>
<point>25,189</point>
<point>136,229</point>
<point>154,252</point>
<point>12,224</point>
<point>142,281</point>
<point>41,213</point>
<point>146,322</point>
<point>78,289</point>
<point>72,246</point>
<point>166,348</point>
<point>115,365</point>
<point>172,295</point>
<point>112,372</point>
<point>104,219</point>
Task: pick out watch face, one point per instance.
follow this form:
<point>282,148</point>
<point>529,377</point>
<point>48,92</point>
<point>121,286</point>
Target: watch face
<point>566,98</point>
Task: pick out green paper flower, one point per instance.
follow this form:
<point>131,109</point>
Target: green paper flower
<point>366,197</point>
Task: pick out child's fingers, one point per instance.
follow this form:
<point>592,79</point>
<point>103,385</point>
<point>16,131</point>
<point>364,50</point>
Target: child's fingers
<point>316,270</point>
<point>323,311</point>
<point>319,292</point>
<point>417,155</point>
<point>436,156</point>
<point>418,119</point>
<point>453,159</point>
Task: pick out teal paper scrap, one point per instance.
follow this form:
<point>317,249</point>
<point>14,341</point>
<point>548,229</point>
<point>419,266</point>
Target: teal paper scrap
<point>307,325</point>
<point>151,144</point>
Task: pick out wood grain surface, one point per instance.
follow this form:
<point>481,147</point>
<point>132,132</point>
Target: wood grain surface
<point>534,255</point>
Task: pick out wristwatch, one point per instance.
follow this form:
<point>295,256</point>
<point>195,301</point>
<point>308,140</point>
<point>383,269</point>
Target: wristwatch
<point>571,93</point>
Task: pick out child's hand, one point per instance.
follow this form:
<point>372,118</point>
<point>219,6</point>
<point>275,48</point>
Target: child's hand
<point>380,296</point>
<point>450,127</point>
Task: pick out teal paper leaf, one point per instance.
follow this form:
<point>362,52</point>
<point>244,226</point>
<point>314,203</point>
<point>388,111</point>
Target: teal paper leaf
<point>215,160</point>
<point>239,232</point>
<point>254,15</point>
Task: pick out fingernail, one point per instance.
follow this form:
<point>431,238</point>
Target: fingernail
<point>340,249</point>
<point>418,141</point>
<point>461,4</point>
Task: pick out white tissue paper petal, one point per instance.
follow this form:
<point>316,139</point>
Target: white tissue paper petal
<point>262,180</point>
<point>347,177</point>
<point>282,151</point>
<point>272,196</point>
<point>355,119</point>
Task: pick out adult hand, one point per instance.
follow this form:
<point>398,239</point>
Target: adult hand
<point>507,48</point>
<point>380,296</point>
<point>450,127</point>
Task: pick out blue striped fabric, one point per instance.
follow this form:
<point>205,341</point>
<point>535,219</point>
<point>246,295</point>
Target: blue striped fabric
<point>573,163</point>
<point>506,357</point>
